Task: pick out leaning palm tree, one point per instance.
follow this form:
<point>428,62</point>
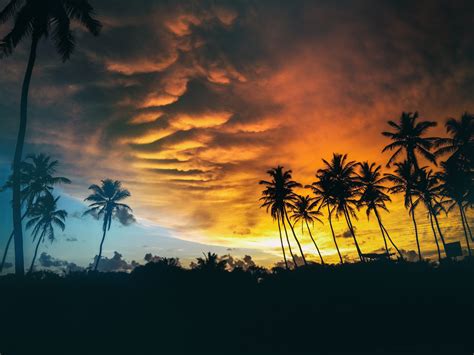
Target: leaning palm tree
<point>426,191</point>
<point>304,211</point>
<point>106,204</point>
<point>38,19</point>
<point>37,179</point>
<point>372,196</point>
<point>455,185</point>
<point>408,136</point>
<point>404,179</point>
<point>340,173</point>
<point>277,197</point>
<point>43,217</point>
<point>324,197</point>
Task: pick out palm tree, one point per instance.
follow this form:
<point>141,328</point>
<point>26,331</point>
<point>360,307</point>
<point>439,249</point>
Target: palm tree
<point>404,179</point>
<point>408,137</point>
<point>37,179</point>
<point>211,262</point>
<point>38,19</point>
<point>340,173</point>
<point>324,197</point>
<point>455,185</point>
<point>304,211</point>
<point>277,197</point>
<point>373,197</point>
<point>43,217</point>
<point>105,203</point>
<point>461,142</point>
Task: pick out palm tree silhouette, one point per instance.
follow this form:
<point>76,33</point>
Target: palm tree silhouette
<point>304,211</point>
<point>340,173</point>
<point>43,217</point>
<point>408,136</point>
<point>105,203</point>
<point>37,179</point>
<point>211,262</point>
<point>426,191</point>
<point>372,196</point>
<point>455,184</point>
<point>324,197</point>
<point>461,142</point>
<point>277,197</point>
<point>404,179</point>
<point>38,19</point>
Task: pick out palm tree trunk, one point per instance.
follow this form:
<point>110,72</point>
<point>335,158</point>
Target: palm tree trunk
<point>412,213</point>
<point>391,241</point>
<point>294,235</point>
<point>288,241</point>
<point>16,202</point>
<point>382,231</point>
<point>435,237</point>
<point>36,253</point>
<point>351,229</point>
<point>467,225</point>
<point>314,242</point>
<point>100,250</point>
<point>463,226</point>
<point>334,235</point>
<point>7,247</point>
<point>281,241</point>
<point>439,229</point>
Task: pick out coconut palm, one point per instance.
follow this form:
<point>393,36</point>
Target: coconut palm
<point>43,217</point>
<point>461,143</point>
<point>372,196</point>
<point>38,19</point>
<point>408,136</point>
<point>404,179</point>
<point>37,179</point>
<point>304,212</point>
<point>277,197</point>
<point>324,197</point>
<point>426,191</point>
<point>211,262</point>
<point>455,185</point>
<point>106,204</point>
<point>340,173</point>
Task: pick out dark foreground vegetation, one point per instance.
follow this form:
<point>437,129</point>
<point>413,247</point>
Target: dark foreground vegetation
<point>162,308</point>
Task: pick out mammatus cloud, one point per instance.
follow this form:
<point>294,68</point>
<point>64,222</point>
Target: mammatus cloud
<point>189,103</point>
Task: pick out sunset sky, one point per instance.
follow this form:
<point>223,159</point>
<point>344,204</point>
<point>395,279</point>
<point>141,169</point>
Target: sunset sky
<point>188,103</point>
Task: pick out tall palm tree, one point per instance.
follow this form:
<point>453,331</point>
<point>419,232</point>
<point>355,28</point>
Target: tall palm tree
<point>408,136</point>
<point>324,197</point>
<point>304,211</point>
<point>426,191</point>
<point>38,19</point>
<point>106,204</point>
<point>372,196</point>
<point>340,173</point>
<point>277,197</point>
<point>404,179</point>
<point>43,217</point>
<point>37,179</point>
<point>461,143</point>
<point>455,184</point>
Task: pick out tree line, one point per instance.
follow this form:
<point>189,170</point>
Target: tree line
<point>343,186</point>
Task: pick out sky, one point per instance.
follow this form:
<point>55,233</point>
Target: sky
<point>188,103</point>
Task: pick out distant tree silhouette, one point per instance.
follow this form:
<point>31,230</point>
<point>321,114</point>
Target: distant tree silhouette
<point>408,136</point>
<point>324,196</point>
<point>277,197</point>
<point>340,173</point>
<point>211,262</point>
<point>106,204</point>
<point>304,211</point>
<point>372,196</point>
<point>404,179</point>
<point>38,19</point>
<point>43,217</point>
<point>455,184</point>
<point>37,180</point>
<point>426,191</point>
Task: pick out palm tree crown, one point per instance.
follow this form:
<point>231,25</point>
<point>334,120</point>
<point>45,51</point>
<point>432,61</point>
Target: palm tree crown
<point>44,215</point>
<point>304,210</point>
<point>408,136</point>
<point>45,18</point>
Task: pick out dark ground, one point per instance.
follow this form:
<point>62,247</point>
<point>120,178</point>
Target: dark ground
<point>376,307</point>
